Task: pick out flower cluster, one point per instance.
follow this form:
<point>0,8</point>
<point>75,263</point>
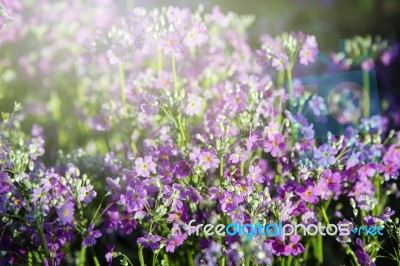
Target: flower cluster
<point>178,118</point>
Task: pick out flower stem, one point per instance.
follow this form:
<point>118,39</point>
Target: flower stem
<point>366,100</point>
<point>281,78</point>
<point>290,85</point>
<point>95,259</point>
<point>221,167</point>
<point>141,259</point>
<point>82,256</point>
<point>159,61</point>
<point>44,244</point>
<point>181,130</point>
<point>174,75</point>
<point>123,87</point>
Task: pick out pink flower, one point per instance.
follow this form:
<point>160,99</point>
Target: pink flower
<point>196,36</point>
<point>170,43</point>
<point>255,174</point>
<point>275,146</point>
<point>209,160</point>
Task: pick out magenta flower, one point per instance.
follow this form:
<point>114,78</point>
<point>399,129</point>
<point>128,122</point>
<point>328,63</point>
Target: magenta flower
<point>229,202</point>
<point>144,166</point>
<point>66,213</point>
<point>294,247</point>
<point>276,145</point>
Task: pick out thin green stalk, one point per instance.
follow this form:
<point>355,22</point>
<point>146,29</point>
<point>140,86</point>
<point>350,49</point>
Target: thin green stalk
<point>242,168</point>
<point>281,78</point>
<point>95,259</point>
<point>221,167</point>
<point>174,75</point>
<point>159,61</point>
<point>320,250</point>
<point>366,100</point>
<point>82,256</point>
<point>123,86</point>
<point>223,261</point>
<point>181,130</point>
<point>30,259</point>
<point>44,244</point>
<point>290,84</point>
<point>324,215</point>
<point>141,259</point>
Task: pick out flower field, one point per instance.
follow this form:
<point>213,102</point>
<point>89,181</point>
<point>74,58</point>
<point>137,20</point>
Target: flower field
<point>120,134</point>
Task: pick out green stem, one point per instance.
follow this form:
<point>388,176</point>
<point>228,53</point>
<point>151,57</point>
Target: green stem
<point>141,259</point>
<point>281,78</point>
<point>242,168</point>
<point>247,261</point>
<point>325,215</point>
<point>290,85</point>
<point>320,250</point>
<point>181,130</point>
<point>223,260</point>
<point>174,75</point>
<point>159,61</point>
<point>30,259</point>
<point>44,244</point>
<point>366,100</point>
<point>221,167</point>
<point>95,259</point>
<point>123,87</point>
<point>82,256</point>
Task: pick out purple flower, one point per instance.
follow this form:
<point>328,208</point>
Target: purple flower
<point>325,155</point>
<point>150,241</point>
<point>309,51</point>
<point>362,256</point>
<point>194,105</point>
<point>368,65</point>
<point>134,199</point>
<point>295,248</point>
<point>353,160</point>
<point>317,105</point>
<point>239,155</point>
<point>280,62</point>
<point>276,145</point>
<point>255,175</point>
<point>101,122</point>
<point>86,194</point>
<point>91,236</point>
<point>145,166</point>
<point>182,169</point>
<point>170,43</point>
<point>229,202</point>
<point>66,213</point>
<point>196,36</point>
<point>109,255</point>
<point>176,241</point>
<point>208,160</point>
